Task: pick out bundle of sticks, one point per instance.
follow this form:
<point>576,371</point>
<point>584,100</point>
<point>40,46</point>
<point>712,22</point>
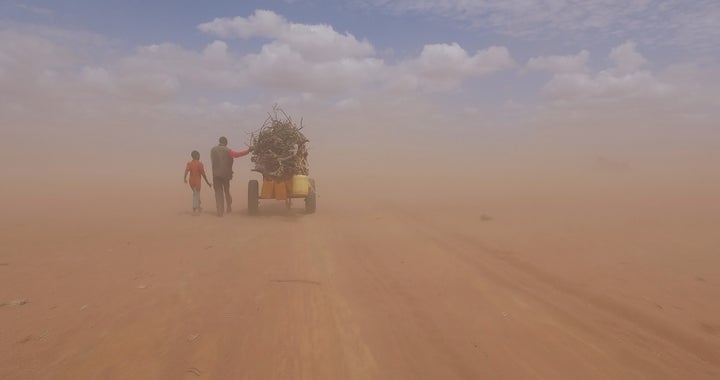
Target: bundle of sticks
<point>279,147</point>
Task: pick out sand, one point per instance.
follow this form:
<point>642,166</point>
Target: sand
<point>117,279</point>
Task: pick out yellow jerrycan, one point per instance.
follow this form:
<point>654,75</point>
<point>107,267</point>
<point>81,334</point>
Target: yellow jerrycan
<point>300,185</point>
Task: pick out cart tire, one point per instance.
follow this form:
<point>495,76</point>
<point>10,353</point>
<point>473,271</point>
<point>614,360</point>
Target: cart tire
<point>311,199</point>
<point>253,197</point>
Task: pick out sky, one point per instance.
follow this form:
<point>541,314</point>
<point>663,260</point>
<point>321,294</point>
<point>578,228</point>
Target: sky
<point>137,76</point>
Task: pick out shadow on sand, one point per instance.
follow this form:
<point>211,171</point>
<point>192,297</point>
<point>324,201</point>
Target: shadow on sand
<point>278,209</point>
<point>268,209</point>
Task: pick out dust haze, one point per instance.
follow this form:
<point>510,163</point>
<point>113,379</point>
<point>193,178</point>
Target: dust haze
<point>446,247</point>
<point>573,236</point>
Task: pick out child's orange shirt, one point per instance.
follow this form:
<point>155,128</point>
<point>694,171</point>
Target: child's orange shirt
<point>196,169</point>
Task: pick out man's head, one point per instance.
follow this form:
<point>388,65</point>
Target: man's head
<point>195,155</point>
<point>223,140</point>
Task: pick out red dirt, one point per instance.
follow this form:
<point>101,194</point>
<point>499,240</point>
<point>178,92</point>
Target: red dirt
<point>503,286</point>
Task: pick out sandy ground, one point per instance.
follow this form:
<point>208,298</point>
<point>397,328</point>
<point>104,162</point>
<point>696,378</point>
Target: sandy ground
<point>524,285</point>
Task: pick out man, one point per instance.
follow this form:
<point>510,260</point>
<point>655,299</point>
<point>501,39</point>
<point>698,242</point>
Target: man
<point>222,162</point>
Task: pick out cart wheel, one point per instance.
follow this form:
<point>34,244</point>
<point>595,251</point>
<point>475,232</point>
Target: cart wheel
<point>253,197</point>
<point>311,199</point>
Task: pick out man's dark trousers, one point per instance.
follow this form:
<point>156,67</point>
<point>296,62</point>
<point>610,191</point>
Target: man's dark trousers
<point>222,194</point>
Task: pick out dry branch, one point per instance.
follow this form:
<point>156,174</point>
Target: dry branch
<point>279,147</point>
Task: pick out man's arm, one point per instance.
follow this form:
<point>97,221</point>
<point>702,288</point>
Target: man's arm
<point>235,154</point>
<point>187,170</point>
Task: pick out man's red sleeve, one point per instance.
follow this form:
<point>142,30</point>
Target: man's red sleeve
<point>235,154</point>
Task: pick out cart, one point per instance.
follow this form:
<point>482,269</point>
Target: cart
<point>298,187</point>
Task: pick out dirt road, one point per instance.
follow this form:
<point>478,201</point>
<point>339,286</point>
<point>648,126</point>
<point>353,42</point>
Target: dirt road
<point>377,289</point>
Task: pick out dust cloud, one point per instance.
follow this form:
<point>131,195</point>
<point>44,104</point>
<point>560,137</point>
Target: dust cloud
<point>610,220</point>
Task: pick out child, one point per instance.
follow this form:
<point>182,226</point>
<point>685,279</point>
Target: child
<point>196,170</point>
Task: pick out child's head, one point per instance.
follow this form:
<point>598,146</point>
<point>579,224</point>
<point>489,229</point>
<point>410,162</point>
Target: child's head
<point>195,155</point>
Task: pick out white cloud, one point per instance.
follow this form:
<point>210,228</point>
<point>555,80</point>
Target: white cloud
<point>169,83</point>
<point>278,65</point>
<point>318,58</point>
<point>624,80</point>
<point>561,63</point>
<point>29,51</point>
<point>262,23</point>
<point>450,60</point>
<point>605,85</point>
<point>97,77</point>
<point>316,42</point>
<point>321,42</point>
<point>216,51</point>
<point>446,66</point>
<point>214,67</point>
<point>152,87</point>
<point>34,69</point>
<point>299,56</point>
<point>160,72</point>
<point>626,58</point>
